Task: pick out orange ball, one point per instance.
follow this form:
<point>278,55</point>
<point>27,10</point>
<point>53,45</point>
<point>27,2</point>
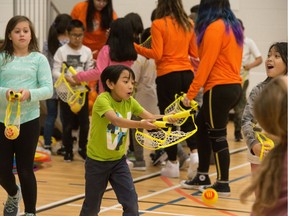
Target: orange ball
<point>209,196</point>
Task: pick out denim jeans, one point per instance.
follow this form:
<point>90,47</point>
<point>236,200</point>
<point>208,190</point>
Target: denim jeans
<point>97,176</point>
<point>52,112</point>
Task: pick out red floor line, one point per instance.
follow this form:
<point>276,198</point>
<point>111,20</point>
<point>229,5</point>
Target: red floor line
<point>189,196</point>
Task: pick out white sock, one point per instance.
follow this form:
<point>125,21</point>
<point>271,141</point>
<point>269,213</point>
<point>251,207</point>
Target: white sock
<point>194,157</point>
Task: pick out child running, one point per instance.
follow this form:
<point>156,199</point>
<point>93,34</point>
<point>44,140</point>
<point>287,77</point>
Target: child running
<point>106,159</point>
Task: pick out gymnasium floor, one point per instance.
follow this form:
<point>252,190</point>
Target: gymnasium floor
<point>61,189</point>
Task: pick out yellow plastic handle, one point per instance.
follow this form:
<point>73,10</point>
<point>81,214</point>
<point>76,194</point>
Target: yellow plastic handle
<point>14,95</point>
<point>74,72</point>
<point>193,103</point>
<point>182,114</point>
<point>162,124</point>
<point>264,140</point>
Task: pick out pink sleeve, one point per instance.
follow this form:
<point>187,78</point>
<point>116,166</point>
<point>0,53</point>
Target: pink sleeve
<point>89,75</point>
<point>103,59</point>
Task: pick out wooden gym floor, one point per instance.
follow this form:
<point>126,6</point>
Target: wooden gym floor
<point>61,189</point>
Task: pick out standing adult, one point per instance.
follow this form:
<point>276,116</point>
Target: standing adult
<point>251,58</point>
<point>173,40</point>
<point>220,42</point>
<point>97,16</point>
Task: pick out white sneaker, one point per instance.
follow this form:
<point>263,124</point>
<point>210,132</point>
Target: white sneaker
<point>193,165</point>
<point>171,170</point>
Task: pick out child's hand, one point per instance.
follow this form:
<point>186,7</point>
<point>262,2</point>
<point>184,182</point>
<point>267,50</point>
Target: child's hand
<point>171,119</point>
<point>70,80</point>
<point>257,149</point>
<point>25,94</point>
<point>75,79</point>
<point>147,124</point>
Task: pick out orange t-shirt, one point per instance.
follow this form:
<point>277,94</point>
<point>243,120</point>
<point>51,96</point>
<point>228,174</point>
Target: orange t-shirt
<point>94,40</point>
<point>220,59</point>
<point>171,46</point>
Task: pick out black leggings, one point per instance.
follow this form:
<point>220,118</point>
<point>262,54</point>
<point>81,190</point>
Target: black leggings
<point>68,121</point>
<point>24,148</point>
<point>212,122</point>
<point>167,86</point>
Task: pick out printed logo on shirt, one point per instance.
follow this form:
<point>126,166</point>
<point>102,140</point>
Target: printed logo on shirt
<point>74,61</point>
<point>115,135</point>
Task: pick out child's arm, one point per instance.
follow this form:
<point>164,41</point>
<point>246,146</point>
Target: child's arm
<point>147,116</point>
<point>57,65</point>
<point>126,123</point>
<point>86,76</point>
<point>94,74</point>
<point>249,122</point>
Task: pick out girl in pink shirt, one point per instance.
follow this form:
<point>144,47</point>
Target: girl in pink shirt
<point>118,50</point>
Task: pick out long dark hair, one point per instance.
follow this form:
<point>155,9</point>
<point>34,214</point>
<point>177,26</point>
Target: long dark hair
<point>58,27</point>
<point>137,25</point>
<point>7,46</point>
<point>211,10</point>
<point>120,41</point>
<point>106,15</point>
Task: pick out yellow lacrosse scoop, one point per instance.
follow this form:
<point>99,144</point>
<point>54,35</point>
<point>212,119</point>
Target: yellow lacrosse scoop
<point>12,131</point>
<point>267,143</point>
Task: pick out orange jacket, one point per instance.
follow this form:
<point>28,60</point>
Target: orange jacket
<point>171,46</point>
<point>220,59</point>
<point>94,40</point>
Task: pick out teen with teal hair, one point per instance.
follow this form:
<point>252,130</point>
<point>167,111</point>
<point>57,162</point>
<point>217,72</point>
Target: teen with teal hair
<point>220,42</point>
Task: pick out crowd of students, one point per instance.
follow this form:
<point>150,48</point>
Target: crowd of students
<point>104,48</point>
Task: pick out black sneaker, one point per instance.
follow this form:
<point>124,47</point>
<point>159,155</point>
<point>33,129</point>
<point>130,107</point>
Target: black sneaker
<point>82,153</point>
<point>238,136</point>
<point>159,157</point>
<point>199,180</point>
<point>61,151</point>
<point>223,189</point>
<point>68,157</point>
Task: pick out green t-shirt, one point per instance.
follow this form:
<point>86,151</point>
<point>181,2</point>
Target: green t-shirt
<point>107,141</point>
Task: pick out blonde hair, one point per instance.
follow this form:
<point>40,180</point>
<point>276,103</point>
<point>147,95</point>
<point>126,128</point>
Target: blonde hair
<point>271,112</point>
